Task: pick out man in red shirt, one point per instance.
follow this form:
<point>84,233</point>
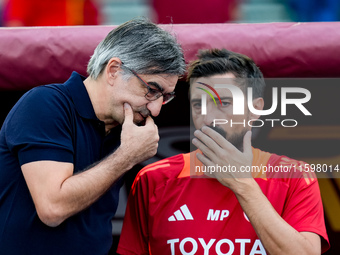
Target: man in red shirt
<point>255,203</point>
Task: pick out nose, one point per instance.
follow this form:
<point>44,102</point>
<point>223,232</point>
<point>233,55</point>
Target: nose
<point>212,114</point>
<point>208,119</point>
<point>155,106</point>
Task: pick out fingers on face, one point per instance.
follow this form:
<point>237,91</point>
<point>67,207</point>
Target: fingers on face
<point>207,144</point>
<point>218,138</point>
<point>149,121</point>
<point>247,143</point>
<point>128,113</point>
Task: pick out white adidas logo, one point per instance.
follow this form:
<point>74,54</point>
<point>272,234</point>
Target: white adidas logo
<point>179,216</point>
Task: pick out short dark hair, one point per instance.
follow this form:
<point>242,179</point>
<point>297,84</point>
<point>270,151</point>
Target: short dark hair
<point>220,61</point>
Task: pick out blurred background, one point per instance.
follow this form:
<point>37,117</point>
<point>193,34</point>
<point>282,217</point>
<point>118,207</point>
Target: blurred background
<point>114,12</point>
<point>174,139</point>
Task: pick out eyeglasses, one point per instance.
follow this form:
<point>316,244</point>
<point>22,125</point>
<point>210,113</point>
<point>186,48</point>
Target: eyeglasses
<point>153,94</point>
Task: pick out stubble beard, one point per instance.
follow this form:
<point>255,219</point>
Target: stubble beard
<point>234,139</point>
<point>144,112</point>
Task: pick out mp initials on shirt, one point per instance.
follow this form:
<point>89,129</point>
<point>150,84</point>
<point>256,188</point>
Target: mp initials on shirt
<point>214,215</point>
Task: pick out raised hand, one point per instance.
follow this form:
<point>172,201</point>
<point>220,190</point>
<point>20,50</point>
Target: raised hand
<point>140,142</point>
<point>217,151</point>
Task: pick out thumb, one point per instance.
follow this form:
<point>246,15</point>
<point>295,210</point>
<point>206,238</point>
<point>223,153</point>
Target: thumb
<point>247,143</point>
<point>128,113</point>
<point>149,121</point>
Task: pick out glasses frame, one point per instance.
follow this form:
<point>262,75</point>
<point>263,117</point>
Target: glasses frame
<point>167,97</point>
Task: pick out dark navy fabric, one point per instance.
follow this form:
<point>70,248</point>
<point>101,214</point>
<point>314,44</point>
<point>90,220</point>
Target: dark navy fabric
<point>54,122</point>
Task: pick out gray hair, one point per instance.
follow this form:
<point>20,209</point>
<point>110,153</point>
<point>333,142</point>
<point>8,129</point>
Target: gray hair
<point>141,46</point>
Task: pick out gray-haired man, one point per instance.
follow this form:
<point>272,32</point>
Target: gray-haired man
<point>63,148</point>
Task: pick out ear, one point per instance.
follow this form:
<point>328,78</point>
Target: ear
<point>258,104</point>
<point>112,69</point>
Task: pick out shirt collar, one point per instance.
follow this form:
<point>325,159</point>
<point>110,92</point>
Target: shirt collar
<point>80,97</point>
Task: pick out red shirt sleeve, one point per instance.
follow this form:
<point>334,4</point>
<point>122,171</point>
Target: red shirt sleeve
<point>303,209</point>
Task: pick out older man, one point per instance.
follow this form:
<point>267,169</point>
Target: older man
<point>64,147</point>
